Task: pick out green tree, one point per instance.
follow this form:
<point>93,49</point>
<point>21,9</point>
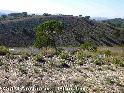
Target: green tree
<point>46,32</point>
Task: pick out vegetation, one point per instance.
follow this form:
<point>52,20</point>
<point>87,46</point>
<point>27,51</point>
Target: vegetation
<point>63,64</point>
<point>39,57</point>
<point>75,33</point>
<point>1,63</point>
<point>83,68</point>
<point>94,68</point>
<point>46,32</point>
<point>64,55</point>
<point>117,24</point>
<point>88,46</point>
<point>4,50</point>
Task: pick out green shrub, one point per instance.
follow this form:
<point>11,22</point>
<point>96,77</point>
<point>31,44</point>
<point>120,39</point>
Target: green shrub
<point>80,55</point>
<point>59,51</point>
<point>122,64</point>
<point>48,51</point>
<point>63,64</point>
<point>1,63</point>
<point>107,52</point>
<point>64,55</point>
<point>23,70</point>
<point>81,62</point>
<point>99,62</point>
<point>4,50</point>
<point>118,62</point>
<point>38,57</point>
<point>37,71</point>
<point>88,46</point>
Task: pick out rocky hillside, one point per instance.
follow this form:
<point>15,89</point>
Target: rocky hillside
<point>45,72</point>
<point>21,31</point>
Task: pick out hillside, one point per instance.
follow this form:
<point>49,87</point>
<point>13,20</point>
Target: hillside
<point>24,70</point>
<point>21,31</point>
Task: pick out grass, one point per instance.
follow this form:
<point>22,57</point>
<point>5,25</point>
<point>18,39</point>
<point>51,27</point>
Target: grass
<point>4,50</point>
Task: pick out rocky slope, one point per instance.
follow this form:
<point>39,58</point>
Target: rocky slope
<point>21,31</point>
<point>19,74</point>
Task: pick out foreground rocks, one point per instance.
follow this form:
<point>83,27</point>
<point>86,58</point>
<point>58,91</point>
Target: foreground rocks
<point>21,75</point>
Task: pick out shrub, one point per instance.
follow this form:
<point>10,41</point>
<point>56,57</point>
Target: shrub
<point>59,51</point>
<point>64,55</point>
<point>118,62</point>
<point>48,52</point>
<point>4,50</point>
<point>122,64</point>
<point>64,65</point>
<point>23,70</point>
<point>88,46</point>
<point>1,63</point>
<point>107,52</point>
<point>39,57</point>
<point>99,62</point>
<point>81,62</point>
<point>80,55</point>
<point>25,52</point>
<point>24,55</point>
<point>36,71</point>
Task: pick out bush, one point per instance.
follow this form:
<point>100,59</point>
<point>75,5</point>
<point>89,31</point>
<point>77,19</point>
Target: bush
<point>107,52</point>
<point>24,54</point>
<point>80,55</point>
<point>64,55</point>
<point>4,50</point>
<point>48,52</point>
<point>38,57</point>
<point>59,51</point>
<point>118,62</point>
<point>64,65</point>
<point>88,46</point>
<point>23,70</point>
<point>81,62</point>
<point>1,63</point>
<point>99,62</point>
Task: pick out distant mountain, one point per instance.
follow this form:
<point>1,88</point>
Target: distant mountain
<point>117,22</point>
<point>99,18</point>
<point>20,32</point>
<point>1,13</point>
<point>5,12</point>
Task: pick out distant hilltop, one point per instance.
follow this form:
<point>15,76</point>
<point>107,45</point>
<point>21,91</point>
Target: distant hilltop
<point>11,14</point>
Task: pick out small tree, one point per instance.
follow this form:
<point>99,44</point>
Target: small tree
<point>45,33</point>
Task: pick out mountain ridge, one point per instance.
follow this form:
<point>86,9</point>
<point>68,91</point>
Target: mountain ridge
<point>21,31</point>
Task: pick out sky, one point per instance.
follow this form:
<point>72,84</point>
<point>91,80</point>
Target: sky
<point>93,8</point>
